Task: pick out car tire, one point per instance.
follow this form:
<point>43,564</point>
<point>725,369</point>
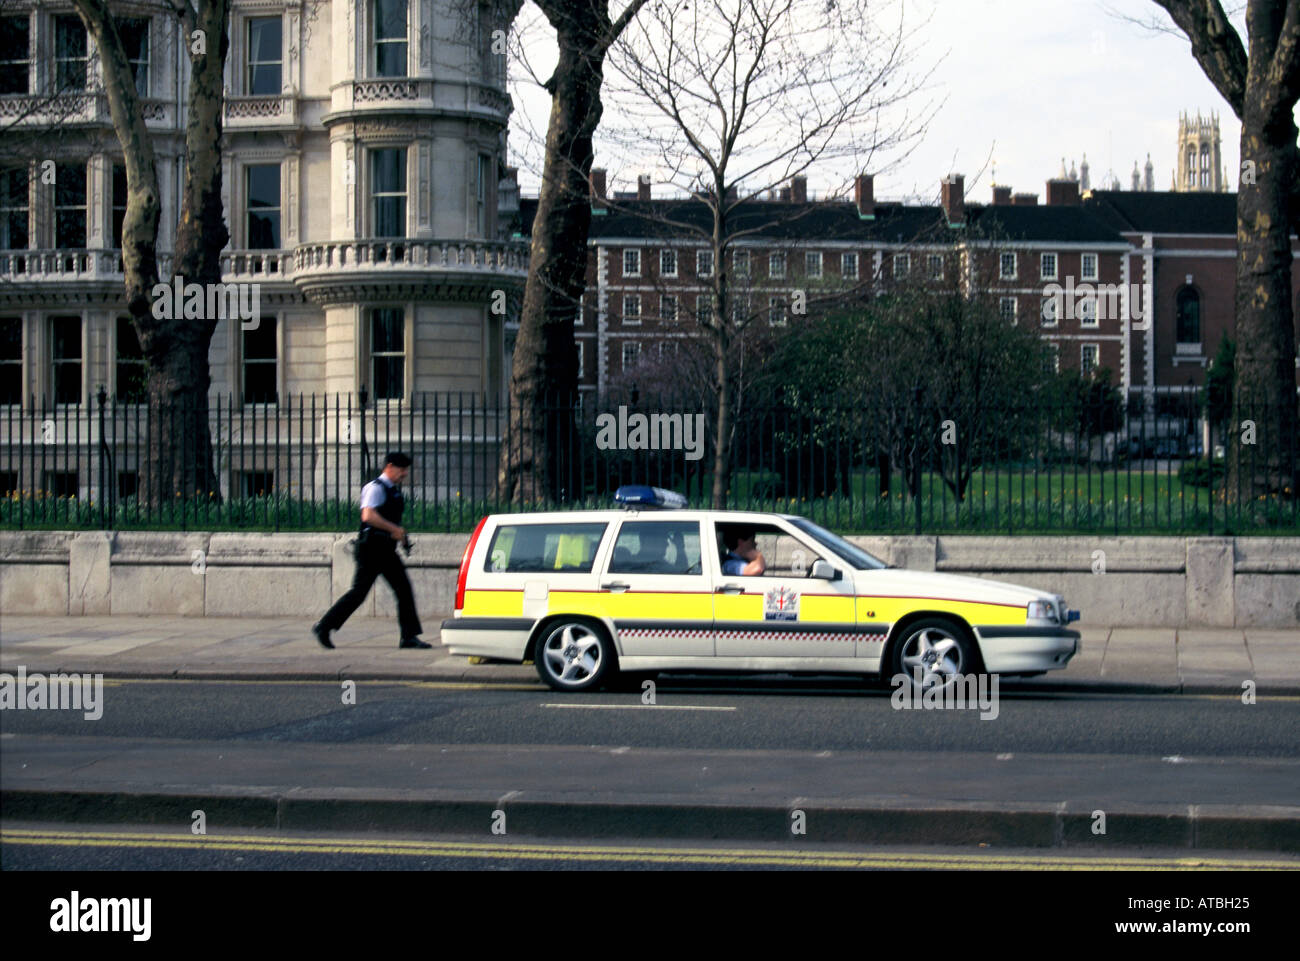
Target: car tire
<point>574,655</point>
<point>939,648</point>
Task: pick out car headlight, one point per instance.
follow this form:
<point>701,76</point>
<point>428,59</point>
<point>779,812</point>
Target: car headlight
<point>1042,611</point>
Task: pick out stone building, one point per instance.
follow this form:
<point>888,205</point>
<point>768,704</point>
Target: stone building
<point>364,148</point>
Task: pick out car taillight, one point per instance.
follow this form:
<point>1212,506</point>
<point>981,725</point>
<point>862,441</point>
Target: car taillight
<point>464,565</point>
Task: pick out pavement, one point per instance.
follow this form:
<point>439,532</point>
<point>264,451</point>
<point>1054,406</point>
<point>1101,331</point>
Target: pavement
<point>1150,660</point>
<point>873,797</point>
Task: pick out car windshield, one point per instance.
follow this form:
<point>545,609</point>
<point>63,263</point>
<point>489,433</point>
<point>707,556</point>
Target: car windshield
<point>856,556</point>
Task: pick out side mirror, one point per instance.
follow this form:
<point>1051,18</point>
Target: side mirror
<point>823,571</point>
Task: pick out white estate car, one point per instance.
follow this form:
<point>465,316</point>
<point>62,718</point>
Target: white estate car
<point>585,594</point>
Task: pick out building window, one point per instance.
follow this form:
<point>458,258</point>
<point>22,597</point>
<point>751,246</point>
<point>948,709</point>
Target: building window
<point>482,193</point>
<point>813,264</point>
<point>1007,266</point>
<point>134,32</point>
<point>849,266</point>
<point>667,348</point>
<point>1088,355</point>
<point>667,263</point>
<point>70,206</point>
<point>265,56</point>
<point>631,354</point>
<point>128,484</point>
<point>130,385</point>
<point>776,312</point>
<point>11,360</point>
<point>1007,309</point>
<point>631,308</point>
<point>1188,317</point>
<point>260,363</point>
<point>902,264</point>
<point>61,483</point>
<point>388,192</point>
<point>69,53</point>
<point>631,263</point>
<point>65,359</point>
<point>14,210</point>
<point>1088,312</point>
<point>935,263</point>
<point>668,309</point>
<point>580,344</point>
<point>704,309</point>
<point>387,352</point>
<point>1089,267</point>
<point>776,266</point>
<point>15,55</point>
<point>8,483</point>
<point>256,483</point>
<point>1052,359</point>
<point>581,316</point>
<point>1047,266</point>
<point>1051,306</point>
<point>1205,165</point>
<point>263,182</point>
<point>704,263</point>
<point>389,19</point>
<point>740,263</point>
<point>119,204</point>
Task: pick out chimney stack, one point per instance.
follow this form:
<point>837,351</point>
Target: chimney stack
<point>864,195</point>
<point>953,191</point>
<point>799,189</point>
<point>643,187</point>
<point>1024,200</point>
<point>598,186</point>
<point>785,194</point>
<point>1001,196</point>
<point>1062,192</point>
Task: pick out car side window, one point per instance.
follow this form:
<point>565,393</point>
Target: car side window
<point>657,547</point>
<point>783,555</point>
<point>544,548</point>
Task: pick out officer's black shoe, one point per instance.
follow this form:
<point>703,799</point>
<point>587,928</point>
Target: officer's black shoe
<point>413,642</point>
<point>322,635</point>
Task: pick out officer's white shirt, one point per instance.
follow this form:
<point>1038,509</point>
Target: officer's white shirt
<point>373,495</point>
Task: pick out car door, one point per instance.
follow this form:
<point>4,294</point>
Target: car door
<point>783,612</point>
<point>656,590</point>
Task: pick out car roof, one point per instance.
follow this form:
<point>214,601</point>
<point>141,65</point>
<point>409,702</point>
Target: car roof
<point>588,517</point>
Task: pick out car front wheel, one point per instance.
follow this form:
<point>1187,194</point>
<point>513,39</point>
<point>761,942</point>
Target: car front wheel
<point>933,652</point>
<point>573,655</point>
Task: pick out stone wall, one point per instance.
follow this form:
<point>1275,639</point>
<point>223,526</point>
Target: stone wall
<point>1115,582</point>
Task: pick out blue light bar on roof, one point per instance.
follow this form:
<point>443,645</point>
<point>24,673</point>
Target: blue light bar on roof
<point>642,495</point>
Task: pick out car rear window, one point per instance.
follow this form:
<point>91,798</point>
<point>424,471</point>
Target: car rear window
<point>540,548</point>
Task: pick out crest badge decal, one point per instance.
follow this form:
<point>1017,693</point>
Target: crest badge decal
<point>781,604</point>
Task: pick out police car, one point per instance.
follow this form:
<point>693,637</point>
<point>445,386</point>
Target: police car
<point>586,594</point>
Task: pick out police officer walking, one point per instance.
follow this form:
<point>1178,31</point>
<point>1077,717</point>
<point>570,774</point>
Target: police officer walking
<point>381,532</point>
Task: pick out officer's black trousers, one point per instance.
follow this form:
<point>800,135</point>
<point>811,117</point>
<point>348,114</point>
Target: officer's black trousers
<point>372,562</point>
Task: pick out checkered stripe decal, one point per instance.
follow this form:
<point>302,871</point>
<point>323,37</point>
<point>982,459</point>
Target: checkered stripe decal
<point>755,635</point>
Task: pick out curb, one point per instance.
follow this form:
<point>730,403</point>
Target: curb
<point>1195,827</point>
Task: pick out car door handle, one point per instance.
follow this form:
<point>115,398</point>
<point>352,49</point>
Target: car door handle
<point>618,587</point>
<point>729,589</point>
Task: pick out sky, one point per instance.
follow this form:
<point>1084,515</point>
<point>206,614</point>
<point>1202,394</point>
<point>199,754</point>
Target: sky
<point>1019,84</point>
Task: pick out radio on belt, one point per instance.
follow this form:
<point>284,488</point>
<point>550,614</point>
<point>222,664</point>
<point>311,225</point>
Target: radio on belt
<point>653,498</point>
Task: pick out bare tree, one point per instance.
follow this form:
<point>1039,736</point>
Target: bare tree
<point>175,348</point>
<point>735,98</point>
<point>1262,85</point>
<point>544,376</point>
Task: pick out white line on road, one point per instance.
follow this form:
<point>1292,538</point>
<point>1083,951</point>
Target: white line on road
<point>640,707</point>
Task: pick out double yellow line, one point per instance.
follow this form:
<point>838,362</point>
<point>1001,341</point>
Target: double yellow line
<point>666,855</point>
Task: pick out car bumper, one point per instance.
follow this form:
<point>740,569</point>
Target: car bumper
<point>505,638</point>
<point>1015,650</point>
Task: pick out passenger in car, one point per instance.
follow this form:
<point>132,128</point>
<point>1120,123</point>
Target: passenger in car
<point>743,556</point>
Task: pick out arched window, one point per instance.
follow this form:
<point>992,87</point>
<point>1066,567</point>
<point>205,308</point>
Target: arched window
<point>1188,316</point>
<point>1190,179</point>
<point>1205,165</point>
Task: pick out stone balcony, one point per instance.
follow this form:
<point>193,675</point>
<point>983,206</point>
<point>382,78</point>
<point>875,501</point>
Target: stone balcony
<point>81,108</point>
<point>326,272</point>
<point>261,113</point>
<point>377,96</point>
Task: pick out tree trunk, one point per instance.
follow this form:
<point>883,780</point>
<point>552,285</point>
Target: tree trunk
<point>722,435</point>
<point>544,371</point>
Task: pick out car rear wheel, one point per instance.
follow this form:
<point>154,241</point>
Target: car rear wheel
<point>933,652</point>
<point>573,655</point>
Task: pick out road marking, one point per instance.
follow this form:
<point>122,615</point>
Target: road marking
<point>628,853</point>
<point>639,707</point>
